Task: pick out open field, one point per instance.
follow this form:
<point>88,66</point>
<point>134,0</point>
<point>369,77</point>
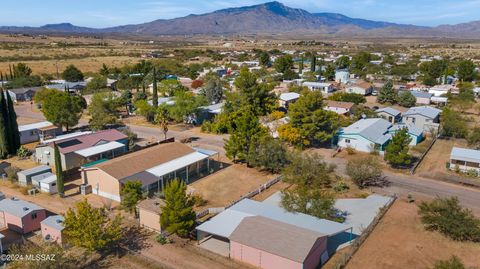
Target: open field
<point>400,241</point>
<point>229,184</point>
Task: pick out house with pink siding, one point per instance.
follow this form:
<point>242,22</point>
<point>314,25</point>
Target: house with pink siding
<point>21,216</point>
<point>52,229</point>
<point>271,244</point>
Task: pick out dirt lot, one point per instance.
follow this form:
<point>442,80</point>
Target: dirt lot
<point>434,164</point>
<point>229,184</point>
<point>400,241</point>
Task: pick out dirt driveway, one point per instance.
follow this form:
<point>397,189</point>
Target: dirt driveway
<point>400,241</point>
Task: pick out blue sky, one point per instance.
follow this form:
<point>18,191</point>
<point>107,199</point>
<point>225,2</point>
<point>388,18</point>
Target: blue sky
<point>105,13</point>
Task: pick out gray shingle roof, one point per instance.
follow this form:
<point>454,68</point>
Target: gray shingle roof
<point>426,111</point>
<point>375,130</point>
<point>389,110</point>
<point>55,222</point>
<point>17,207</point>
<point>462,154</point>
<point>275,237</point>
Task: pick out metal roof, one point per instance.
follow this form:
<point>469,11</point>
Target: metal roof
<point>462,154</point>
<point>55,222</point>
<point>419,94</point>
<point>412,129</point>
<point>226,222</point>
<point>389,110</point>
<point>427,111</point>
<point>95,150</point>
<point>214,109</point>
<point>66,136</point>
<point>289,96</point>
<point>316,84</point>
<point>375,130</point>
<point>34,126</point>
<point>176,164</point>
<point>17,207</point>
<point>36,170</point>
<point>275,237</point>
<point>45,177</point>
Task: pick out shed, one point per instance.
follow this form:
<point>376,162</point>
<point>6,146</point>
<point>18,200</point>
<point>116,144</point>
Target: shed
<point>25,176</point>
<point>149,213</point>
<point>52,228</point>
<point>47,182</point>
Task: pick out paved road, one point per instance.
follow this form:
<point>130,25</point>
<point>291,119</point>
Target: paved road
<point>400,184</point>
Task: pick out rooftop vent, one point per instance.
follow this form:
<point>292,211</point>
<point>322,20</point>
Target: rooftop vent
<point>26,209</point>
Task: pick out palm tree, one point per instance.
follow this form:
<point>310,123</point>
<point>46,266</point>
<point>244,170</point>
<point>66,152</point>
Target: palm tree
<point>161,118</point>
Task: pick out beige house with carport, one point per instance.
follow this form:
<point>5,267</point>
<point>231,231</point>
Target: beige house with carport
<point>153,167</point>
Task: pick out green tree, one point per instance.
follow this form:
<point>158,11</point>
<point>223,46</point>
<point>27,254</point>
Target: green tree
<point>72,74</point>
<point>348,97</point>
<point>62,109</point>
<point>103,110</point>
<point>162,118</point>
<point>301,66</point>
<point>387,94</point>
<point>98,82</point>
<point>91,228</point>
<point>258,96</point>
<point>453,263</point>
<point>131,193</point>
<point>343,62</point>
<point>245,131</point>
<point>267,154</point>
<point>284,63</point>
<point>474,138</point>
<point>186,106</point>
<point>213,89</point>
<point>13,126</point>
<point>6,120</point>
<point>311,177</point>
<point>21,70</point>
<point>313,63</point>
<point>447,216</point>
<point>396,152</point>
<point>177,214</point>
<point>406,99</point>
<point>314,124</point>
<point>59,171</point>
<point>104,71</point>
<point>453,124</point>
<point>365,172</point>
<point>154,89</point>
<point>4,138</point>
<point>466,70</point>
<point>432,71</point>
<point>329,72</point>
<point>264,59</point>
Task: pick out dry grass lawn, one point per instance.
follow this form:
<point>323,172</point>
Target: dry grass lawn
<point>229,184</point>
<point>400,241</point>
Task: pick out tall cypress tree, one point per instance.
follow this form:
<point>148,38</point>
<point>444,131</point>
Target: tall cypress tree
<point>11,72</point>
<point>3,136</point>
<point>13,126</point>
<point>6,122</point>
<point>300,66</point>
<point>313,66</point>
<point>155,91</point>
<point>58,171</point>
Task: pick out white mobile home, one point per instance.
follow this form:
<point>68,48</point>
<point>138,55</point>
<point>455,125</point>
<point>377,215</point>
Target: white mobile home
<point>319,86</point>
<point>38,131</point>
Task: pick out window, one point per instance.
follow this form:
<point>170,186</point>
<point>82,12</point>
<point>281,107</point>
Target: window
<point>347,141</point>
<point>34,215</point>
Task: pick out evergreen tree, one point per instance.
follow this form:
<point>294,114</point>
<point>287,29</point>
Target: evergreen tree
<point>406,99</point>
<point>387,94</point>
<point>13,126</point>
<point>155,90</point>
<point>131,193</point>
<point>396,152</point>
<point>59,171</point>
<point>177,214</point>
<point>300,66</point>
<point>6,121</point>
<point>313,63</point>
<point>3,135</point>
<point>11,72</point>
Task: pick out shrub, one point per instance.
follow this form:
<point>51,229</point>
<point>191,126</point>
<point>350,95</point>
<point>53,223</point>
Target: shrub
<point>162,240</point>
<point>453,263</point>
<point>350,150</point>
<point>11,172</point>
<point>365,172</point>
<point>198,199</point>
<point>341,187</point>
<point>23,153</point>
<point>446,216</point>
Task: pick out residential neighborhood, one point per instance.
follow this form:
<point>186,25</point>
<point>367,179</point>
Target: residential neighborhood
<point>353,147</point>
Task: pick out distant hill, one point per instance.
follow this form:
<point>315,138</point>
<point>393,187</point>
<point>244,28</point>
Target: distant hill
<point>267,18</point>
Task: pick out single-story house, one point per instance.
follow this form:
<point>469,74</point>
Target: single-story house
<point>425,117</point>
<point>38,131</point>
<point>25,176</point>
<point>341,108</point>
<point>324,87</point>
<point>72,87</point>
<point>367,135</point>
<point>77,150</point>
<point>153,167</point>
<point>423,98</point>
<point>208,112</point>
<point>465,160</point>
<point>226,228</point>
<point>21,216</point>
<point>149,213</point>
<point>23,94</point>
<point>52,228</point>
<point>439,101</point>
<point>285,99</point>
<point>46,182</point>
<point>360,87</point>
<point>390,114</point>
<point>271,244</point>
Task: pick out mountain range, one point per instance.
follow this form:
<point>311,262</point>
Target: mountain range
<point>267,18</point>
